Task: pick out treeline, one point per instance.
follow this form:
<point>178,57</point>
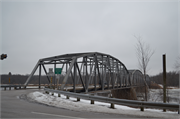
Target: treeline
<point>172,78</point>
<point>21,79</point>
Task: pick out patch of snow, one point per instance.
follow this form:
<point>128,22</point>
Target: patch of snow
<point>84,105</point>
<point>160,85</point>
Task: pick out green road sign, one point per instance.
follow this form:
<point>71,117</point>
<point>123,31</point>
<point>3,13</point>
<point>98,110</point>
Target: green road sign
<point>58,70</point>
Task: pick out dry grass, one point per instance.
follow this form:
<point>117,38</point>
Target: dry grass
<point>155,86</point>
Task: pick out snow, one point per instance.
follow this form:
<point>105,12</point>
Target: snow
<point>84,105</point>
<point>173,95</point>
<point>160,85</point>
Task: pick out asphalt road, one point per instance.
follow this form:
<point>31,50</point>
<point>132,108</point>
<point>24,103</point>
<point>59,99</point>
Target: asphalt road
<point>13,105</point>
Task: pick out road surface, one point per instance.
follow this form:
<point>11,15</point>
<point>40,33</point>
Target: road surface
<point>15,105</point>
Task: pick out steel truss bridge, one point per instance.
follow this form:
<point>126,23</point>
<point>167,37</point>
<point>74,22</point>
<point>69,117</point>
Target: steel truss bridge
<point>90,71</point>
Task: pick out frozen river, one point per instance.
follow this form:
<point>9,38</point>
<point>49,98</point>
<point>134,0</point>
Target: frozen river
<point>156,95</point>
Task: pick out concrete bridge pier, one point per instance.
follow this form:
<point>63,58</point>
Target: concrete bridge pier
<point>127,93</point>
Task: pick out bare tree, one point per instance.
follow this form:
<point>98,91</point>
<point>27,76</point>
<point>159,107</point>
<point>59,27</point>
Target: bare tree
<point>144,54</point>
<point>177,64</point>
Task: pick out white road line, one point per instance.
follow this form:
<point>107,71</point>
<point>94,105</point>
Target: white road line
<point>58,115</point>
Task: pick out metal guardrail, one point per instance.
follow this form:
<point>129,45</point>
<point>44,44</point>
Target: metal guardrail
<point>134,103</point>
<point>11,85</point>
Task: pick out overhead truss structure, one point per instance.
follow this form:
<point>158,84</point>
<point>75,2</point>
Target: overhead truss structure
<point>89,70</point>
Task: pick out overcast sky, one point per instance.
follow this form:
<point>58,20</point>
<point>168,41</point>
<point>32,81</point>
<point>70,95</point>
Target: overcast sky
<point>34,30</point>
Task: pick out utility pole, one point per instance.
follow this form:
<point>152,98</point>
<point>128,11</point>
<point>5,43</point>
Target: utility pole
<point>164,80</point>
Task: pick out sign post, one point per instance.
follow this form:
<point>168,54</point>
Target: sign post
<point>58,72</point>
<point>50,74</point>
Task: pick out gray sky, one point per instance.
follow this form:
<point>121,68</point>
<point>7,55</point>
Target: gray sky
<point>34,30</point>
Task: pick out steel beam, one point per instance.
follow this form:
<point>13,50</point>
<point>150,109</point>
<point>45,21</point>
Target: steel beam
<point>32,73</point>
<point>54,73</point>
<point>67,75</point>
<point>75,75</point>
<point>102,74</point>
<point>46,72</point>
<point>80,76</point>
<point>39,75</point>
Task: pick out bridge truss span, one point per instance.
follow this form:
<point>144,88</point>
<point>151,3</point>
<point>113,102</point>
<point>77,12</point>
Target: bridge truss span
<point>91,71</point>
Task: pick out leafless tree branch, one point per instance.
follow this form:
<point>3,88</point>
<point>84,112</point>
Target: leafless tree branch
<point>144,54</point>
<point>177,64</point>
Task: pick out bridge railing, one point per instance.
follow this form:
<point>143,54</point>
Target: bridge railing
<point>140,104</point>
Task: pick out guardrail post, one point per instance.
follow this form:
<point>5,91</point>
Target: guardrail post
<point>142,108</point>
<point>112,105</point>
<point>20,87</point>
<point>4,88</point>
<point>10,88</point>
<point>67,97</point>
<point>78,99</point>
<point>59,95</point>
<point>92,101</point>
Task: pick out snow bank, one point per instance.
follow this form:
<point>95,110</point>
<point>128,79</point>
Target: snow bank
<point>84,105</point>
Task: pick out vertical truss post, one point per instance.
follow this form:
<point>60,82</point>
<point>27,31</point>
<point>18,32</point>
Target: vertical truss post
<point>83,72</point>
<point>136,79</point>
<point>105,75</point>
<point>109,66</point>
<point>109,69</point>
<point>75,75</point>
<point>125,77</point>
<point>90,75</point>
<point>102,74</point>
<point>54,73</point>
<point>120,76</point>
<point>117,73</point>
<point>40,75</point>
<point>126,80</point>
<point>112,71</point>
<point>123,82</point>
<point>95,79</point>
<point>86,77</point>
<point>130,83</point>
<point>72,77</point>
<point>98,71</point>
